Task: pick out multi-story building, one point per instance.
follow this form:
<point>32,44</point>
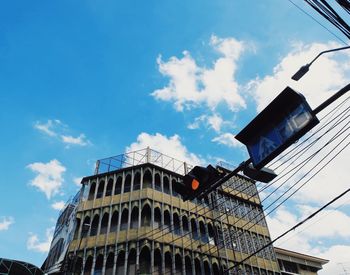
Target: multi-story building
<point>127,219</point>
<point>295,263</point>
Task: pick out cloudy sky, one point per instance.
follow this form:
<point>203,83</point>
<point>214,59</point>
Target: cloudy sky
<point>84,80</point>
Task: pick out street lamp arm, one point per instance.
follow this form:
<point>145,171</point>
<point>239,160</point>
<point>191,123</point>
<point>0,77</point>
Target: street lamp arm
<point>304,69</point>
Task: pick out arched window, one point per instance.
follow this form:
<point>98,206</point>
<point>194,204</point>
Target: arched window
<point>118,186</point>
<point>88,266</point>
<point>137,181</point>
<point>157,218</point>
<point>185,225</point>
<point>197,266</point>
<point>157,183</point>
<point>120,263</point>
<point>168,263</point>
<point>147,180</point>
<point>194,229</point>
<point>173,184</point>
<point>131,262</point>
<point>85,227</point>
<point>166,187</point>
<point>146,216</point>
<point>188,265</point>
<point>176,221</point>
<point>215,269</point>
<point>145,261</point>
<point>124,220</point>
<point>204,236</point>
<point>167,221</point>
<point>206,268</point>
<point>157,262</point>
<point>98,265</point>
<point>109,187</point>
<point>211,234</point>
<point>92,191</point>
<point>94,225</point>
<point>178,265</point>
<point>127,184</point>
<point>101,187</point>
<point>77,228</point>
<point>109,264</point>
<point>134,218</point>
<point>114,221</point>
<point>78,266</point>
<point>104,224</point>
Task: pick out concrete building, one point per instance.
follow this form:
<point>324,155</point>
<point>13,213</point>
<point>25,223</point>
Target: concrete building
<point>294,263</point>
<point>127,219</point>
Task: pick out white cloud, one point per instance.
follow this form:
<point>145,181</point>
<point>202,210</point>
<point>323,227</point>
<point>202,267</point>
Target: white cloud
<point>34,244</point>
<point>227,139</point>
<point>338,256</point>
<point>80,140</point>
<point>58,205</point>
<point>5,223</point>
<point>191,85</point>
<point>214,121</point>
<point>171,146</point>
<point>49,176</point>
<point>56,129</point>
<point>77,181</point>
<point>326,75</point>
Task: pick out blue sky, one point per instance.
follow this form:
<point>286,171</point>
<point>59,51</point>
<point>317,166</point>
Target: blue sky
<point>84,80</point>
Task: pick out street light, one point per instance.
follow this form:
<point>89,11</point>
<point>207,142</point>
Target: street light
<point>304,69</point>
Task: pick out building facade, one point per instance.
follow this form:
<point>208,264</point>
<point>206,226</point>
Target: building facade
<point>129,220</point>
<point>292,262</point>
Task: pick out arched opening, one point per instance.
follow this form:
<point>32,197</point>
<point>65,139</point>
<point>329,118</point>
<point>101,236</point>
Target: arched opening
<point>85,228</point>
<point>109,264</point>
<point>194,229</point>
<point>147,180</point>
<point>167,222</point>
<point>146,216</point>
<point>101,187</point>
<point>176,221</point>
<point>145,261</point>
<point>120,263</point>
<point>185,225</point>
<point>124,220</point>
<point>104,224</point>
<point>131,269</point>
<point>211,234</point>
<point>94,225</point>
<point>137,181</point>
<point>206,268</point>
<point>118,186</point>
<point>157,183</point>
<point>127,184</point>
<point>88,266</point>
<point>157,262</point>
<point>178,265</point>
<point>92,191</point>
<point>77,228</point>
<point>134,218</point>
<point>168,263</point>
<point>98,265</point>
<point>109,188</point>
<point>204,236</point>
<point>77,269</point>
<point>173,184</point>
<point>114,221</point>
<point>197,266</point>
<point>216,269</point>
<point>157,218</point>
<point>188,265</point>
<point>166,187</point>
